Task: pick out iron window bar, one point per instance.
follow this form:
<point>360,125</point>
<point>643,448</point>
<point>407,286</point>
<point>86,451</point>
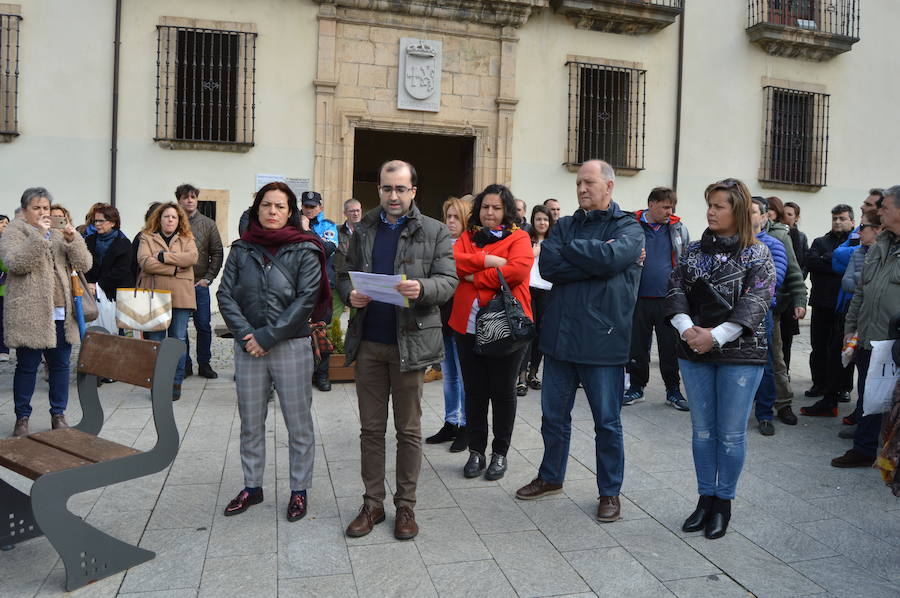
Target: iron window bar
<point>607,114</point>
<point>835,17</point>
<point>795,145</point>
<point>205,85</point>
<point>669,3</point>
<point>9,74</point>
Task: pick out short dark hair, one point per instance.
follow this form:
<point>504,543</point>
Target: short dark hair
<point>110,213</point>
<point>873,218</point>
<point>791,204</point>
<point>662,194</point>
<point>186,189</point>
<point>877,191</point>
<point>4,217</point>
<point>393,165</point>
<point>550,199</point>
<point>293,219</point>
<point>841,208</point>
<point>510,215</point>
<point>761,202</point>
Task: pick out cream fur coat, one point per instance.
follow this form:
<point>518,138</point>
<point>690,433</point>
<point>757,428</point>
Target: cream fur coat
<point>31,260</point>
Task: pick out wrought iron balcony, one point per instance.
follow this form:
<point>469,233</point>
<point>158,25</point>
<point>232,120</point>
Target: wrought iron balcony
<point>620,16</point>
<point>809,29</point>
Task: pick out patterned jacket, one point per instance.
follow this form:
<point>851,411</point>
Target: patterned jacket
<point>746,278</point>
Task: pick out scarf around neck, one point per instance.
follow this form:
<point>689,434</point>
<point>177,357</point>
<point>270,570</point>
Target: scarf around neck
<point>104,241</point>
<point>712,244</point>
<point>483,235</point>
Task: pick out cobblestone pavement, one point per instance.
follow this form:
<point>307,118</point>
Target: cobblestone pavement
<point>800,527</point>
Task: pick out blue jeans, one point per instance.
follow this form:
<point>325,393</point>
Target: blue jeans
<point>454,394</point>
<point>765,394</point>
<point>603,386</point>
<point>721,395</point>
<point>27,363</point>
<point>177,329</point>
<point>203,325</point>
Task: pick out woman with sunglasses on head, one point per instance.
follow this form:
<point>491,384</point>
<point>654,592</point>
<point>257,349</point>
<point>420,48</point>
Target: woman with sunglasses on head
<point>718,297</point>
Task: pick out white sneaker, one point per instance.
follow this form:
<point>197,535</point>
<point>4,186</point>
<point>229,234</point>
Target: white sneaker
<point>4,357</point>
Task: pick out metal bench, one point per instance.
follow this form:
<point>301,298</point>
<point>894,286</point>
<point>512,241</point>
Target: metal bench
<point>66,462</point>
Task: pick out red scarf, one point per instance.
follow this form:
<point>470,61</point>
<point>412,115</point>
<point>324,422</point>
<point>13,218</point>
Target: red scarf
<point>272,240</point>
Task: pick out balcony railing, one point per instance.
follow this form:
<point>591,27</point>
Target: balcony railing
<point>811,29</point>
<point>620,16</point>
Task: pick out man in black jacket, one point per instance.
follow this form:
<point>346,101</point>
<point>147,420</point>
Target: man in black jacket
<point>823,297</point>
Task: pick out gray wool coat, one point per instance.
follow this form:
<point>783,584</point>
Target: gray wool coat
<point>33,262</point>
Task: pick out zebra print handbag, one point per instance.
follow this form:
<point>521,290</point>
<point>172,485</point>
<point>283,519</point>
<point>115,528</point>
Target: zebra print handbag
<point>501,326</point>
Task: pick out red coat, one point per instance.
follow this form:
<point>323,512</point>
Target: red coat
<point>516,248</point>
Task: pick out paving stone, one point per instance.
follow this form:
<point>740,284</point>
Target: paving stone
<point>346,479</point>
<point>718,586</point>
<point>584,494</point>
<point>466,580</point>
<point>864,550</point>
<point>127,526</point>
<point>574,469</point>
<point>783,541</point>
<point>431,492</point>
<point>839,579</point>
<point>492,511</point>
<point>185,506</point>
<point>26,567</point>
<point>252,575</point>
<point>565,525</point>
<point>445,536</point>
<point>327,586</point>
<point>255,531</point>
<point>867,516</point>
<point>532,565</point>
<point>196,468</point>
<point>614,572</point>
<point>178,564</point>
<point>383,533</point>
<point>752,567</point>
<point>391,570</point>
<point>183,593</point>
<point>55,586</point>
<point>311,547</point>
<point>659,550</point>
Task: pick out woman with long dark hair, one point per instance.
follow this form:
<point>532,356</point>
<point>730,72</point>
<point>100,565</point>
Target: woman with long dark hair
<point>493,241</point>
<point>273,284</point>
<point>541,223</point>
<point>718,297</point>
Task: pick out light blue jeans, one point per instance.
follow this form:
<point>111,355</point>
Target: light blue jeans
<point>177,329</point>
<point>454,393</point>
<point>721,396</point>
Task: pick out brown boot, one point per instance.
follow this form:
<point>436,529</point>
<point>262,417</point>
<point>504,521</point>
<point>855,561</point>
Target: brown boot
<point>58,421</point>
<point>368,517</point>
<point>405,527</point>
<point>21,428</point>
<point>537,488</point>
<point>609,509</point>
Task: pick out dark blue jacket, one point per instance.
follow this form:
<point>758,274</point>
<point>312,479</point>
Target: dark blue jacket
<point>595,283</point>
<point>779,258</point>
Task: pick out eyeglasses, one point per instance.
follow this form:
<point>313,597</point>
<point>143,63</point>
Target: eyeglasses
<point>865,226</point>
<point>400,189</point>
<point>96,222</point>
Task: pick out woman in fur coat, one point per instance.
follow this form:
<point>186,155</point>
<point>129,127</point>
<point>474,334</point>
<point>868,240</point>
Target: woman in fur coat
<point>38,313</point>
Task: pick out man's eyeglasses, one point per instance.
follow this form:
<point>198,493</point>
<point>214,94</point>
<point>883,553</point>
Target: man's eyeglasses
<point>96,222</point>
<point>400,189</point>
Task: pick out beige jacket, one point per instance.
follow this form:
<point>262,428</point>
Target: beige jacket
<point>175,273</point>
<point>34,263</point>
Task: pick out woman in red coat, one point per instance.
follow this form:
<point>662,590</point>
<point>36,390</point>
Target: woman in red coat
<point>492,241</point>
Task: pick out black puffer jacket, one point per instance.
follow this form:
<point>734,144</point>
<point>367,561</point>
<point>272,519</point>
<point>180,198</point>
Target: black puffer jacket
<point>746,278</point>
<point>256,297</point>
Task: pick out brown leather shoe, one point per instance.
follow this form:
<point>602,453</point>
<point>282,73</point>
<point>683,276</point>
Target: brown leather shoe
<point>609,509</point>
<point>405,527</point>
<point>853,458</point>
<point>367,519</point>
<point>58,422</point>
<point>21,428</point>
<point>537,488</point>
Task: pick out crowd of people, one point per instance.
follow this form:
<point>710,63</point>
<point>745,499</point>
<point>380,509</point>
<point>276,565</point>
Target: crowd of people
<point>596,284</point>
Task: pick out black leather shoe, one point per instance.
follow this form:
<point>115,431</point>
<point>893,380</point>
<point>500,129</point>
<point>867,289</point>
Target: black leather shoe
<point>697,520</point>
<point>296,508</point>
<point>461,442</point>
<point>786,415</point>
<point>814,391</point>
<point>445,434</point>
<point>717,524</point>
<point>766,428</point>
<point>243,501</point>
<point>843,397</point>
<point>206,371</point>
<point>497,468</point>
<point>322,382</point>
<point>475,465</point>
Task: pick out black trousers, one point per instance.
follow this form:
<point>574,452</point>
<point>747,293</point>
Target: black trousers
<point>820,326</point>
<point>838,378</point>
<point>789,329</point>
<point>531,357</point>
<point>488,380</point>
<point>649,314</point>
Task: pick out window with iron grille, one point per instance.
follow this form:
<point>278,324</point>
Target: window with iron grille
<point>9,73</point>
<point>205,89</point>
<point>606,114</point>
<point>795,147</point>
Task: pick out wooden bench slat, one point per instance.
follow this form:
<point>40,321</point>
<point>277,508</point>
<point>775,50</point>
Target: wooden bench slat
<point>82,445</point>
<point>129,360</point>
<point>33,459</point>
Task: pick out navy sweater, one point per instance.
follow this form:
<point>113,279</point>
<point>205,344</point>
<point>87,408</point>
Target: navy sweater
<point>380,325</point>
<point>658,263</point>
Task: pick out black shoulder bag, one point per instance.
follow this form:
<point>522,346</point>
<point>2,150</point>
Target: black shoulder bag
<point>501,326</point>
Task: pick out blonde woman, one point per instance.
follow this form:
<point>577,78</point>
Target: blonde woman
<point>166,256</point>
<point>456,217</point>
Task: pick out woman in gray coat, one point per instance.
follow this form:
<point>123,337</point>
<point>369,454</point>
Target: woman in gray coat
<point>38,312</point>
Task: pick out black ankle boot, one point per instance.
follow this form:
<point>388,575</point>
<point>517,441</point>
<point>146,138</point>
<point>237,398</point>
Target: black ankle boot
<point>445,434</point>
<point>697,519</point>
<point>717,524</point>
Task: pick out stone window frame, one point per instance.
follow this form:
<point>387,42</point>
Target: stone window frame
<point>166,76</point>
<point>637,121</point>
<point>222,199</point>
<point>10,32</point>
<point>819,130</point>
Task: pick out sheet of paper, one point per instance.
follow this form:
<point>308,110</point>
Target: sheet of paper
<point>380,287</point>
<point>264,179</point>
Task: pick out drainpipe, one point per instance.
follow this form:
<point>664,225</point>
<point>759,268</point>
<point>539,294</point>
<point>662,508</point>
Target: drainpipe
<point>114,142</point>
<point>678,96</point>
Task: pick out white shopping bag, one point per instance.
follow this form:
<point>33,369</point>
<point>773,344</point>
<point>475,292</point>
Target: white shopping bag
<point>880,379</point>
<point>107,313</point>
